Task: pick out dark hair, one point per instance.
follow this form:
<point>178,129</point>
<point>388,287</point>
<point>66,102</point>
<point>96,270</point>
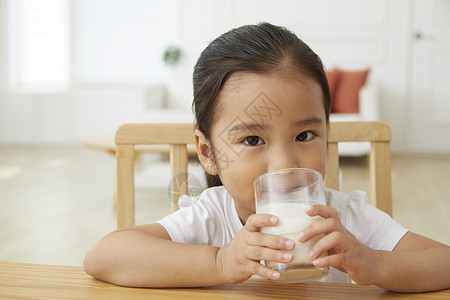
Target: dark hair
<point>261,48</point>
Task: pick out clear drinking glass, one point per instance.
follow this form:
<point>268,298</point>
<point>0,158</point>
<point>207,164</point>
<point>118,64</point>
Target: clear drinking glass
<point>285,194</point>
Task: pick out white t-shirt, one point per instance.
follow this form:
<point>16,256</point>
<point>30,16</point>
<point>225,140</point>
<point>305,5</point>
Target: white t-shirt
<point>211,219</point>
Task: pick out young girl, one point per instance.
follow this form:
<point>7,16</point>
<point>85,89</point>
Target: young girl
<point>261,101</point>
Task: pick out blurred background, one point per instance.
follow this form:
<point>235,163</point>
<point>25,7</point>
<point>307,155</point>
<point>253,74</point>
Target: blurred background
<point>72,71</point>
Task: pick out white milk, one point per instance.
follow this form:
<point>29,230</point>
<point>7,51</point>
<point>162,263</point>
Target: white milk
<point>292,220</point>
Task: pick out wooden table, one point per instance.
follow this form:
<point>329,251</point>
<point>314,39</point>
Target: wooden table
<point>30,281</point>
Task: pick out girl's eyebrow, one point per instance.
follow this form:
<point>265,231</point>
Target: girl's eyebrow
<point>243,126</point>
<point>308,121</point>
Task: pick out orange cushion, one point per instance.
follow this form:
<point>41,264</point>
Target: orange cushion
<point>346,94</point>
<point>333,77</point>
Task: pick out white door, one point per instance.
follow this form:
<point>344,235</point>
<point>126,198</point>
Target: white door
<point>429,116</point>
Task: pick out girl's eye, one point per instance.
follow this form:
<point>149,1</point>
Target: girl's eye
<point>253,141</point>
<point>305,136</point>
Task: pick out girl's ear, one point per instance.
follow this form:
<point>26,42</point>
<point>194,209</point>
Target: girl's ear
<point>205,152</point>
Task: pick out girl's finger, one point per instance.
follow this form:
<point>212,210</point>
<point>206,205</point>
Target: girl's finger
<point>256,221</point>
<point>270,241</point>
<point>319,227</point>
<point>258,269</point>
<point>361,270</point>
<point>334,242</point>
<point>335,261</point>
<point>322,210</point>
<point>261,253</point>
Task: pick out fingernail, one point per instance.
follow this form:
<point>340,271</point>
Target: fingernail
<point>308,208</point>
<point>273,220</point>
<point>287,256</point>
<point>318,262</point>
<point>289,244</point>
<point>275,275</point>
<point>301,236</point>
<point>312,255</point>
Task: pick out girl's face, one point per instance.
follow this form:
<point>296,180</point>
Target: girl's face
<point>264,123</point>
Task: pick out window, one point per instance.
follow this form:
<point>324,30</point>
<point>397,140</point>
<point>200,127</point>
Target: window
<point>56,43</point>
<point>39,43</point>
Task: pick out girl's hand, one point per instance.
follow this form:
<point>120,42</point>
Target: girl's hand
<point>240,259</point>
<point>345,252</point>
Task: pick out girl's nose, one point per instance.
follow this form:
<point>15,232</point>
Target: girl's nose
<point>283,158</point>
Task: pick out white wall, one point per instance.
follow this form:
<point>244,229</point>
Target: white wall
<point>351,34</point>
<point>345,33</point>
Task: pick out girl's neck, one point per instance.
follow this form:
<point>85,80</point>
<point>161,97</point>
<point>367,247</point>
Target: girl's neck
<point>243,212</point>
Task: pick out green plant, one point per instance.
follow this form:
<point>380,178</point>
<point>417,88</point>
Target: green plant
<point>172,55</point>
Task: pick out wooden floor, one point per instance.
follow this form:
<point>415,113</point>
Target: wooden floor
<point>56,202</point>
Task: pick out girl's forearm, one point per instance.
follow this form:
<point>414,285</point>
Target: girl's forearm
<point>415,271</point>
<point>138,259</point>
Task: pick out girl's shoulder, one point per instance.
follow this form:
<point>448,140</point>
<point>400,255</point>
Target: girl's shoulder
<point>337,199</point>
<point>354,207</point>
<point>214,196</point>
<point>345,204</point>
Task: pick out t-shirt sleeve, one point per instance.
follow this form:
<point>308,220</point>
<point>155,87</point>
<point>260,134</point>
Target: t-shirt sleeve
<point>190,224</point>
<point>179,225</point>
<point>205,220</point>
<point>370,225</point>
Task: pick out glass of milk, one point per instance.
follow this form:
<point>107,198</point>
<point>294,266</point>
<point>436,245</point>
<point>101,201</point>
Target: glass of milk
<point>285,194</point>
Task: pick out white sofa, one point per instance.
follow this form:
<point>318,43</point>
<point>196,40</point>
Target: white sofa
<point>368,111</point>
<point>161,107</point>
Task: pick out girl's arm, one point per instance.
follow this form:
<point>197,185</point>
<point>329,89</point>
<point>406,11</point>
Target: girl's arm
<point>145,256</point>
<point>416,264</point>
